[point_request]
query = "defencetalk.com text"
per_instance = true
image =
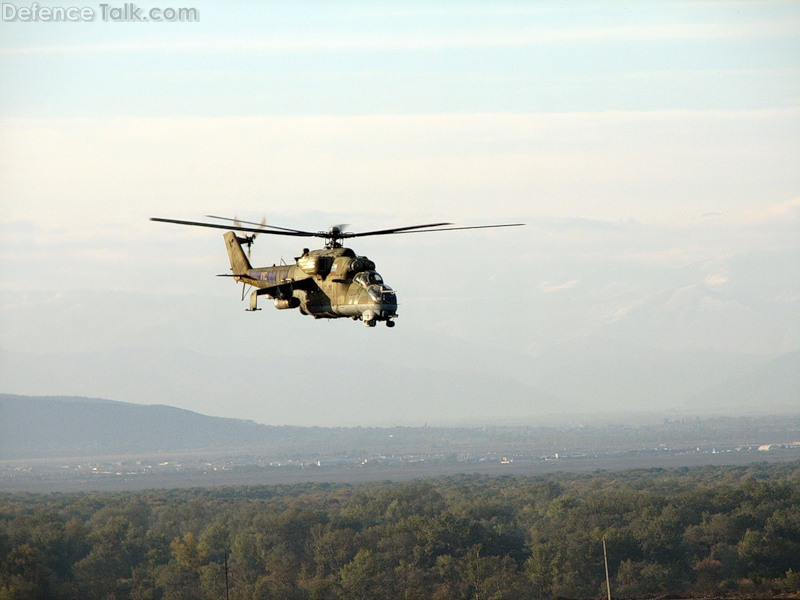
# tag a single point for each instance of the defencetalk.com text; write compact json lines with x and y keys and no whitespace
{"x":127,"y":12}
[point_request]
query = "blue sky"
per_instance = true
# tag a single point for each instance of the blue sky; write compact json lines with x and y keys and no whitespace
{"x":409,"y":58}
{"x":652,"y":149}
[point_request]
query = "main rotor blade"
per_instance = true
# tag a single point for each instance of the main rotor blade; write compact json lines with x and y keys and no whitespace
{"x":417,"y":230}
{"x":254,"y":223}
{"x":327,"y":234}
{"x":291,"y":232}
{"x":390,"y":231}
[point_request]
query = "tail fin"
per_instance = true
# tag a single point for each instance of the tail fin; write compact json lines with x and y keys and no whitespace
{"x":239,"y":262}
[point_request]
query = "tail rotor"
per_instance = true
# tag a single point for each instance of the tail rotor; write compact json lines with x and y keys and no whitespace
{"x":248,"y":239}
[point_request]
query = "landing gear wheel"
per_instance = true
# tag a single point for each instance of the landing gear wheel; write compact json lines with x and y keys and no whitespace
{"x":390,"y":323}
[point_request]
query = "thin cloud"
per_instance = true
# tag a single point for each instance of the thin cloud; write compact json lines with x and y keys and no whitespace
{"x":411,"y":41}
{"x":716,"y":279}
{"x":549,"y":287}
{"x":787,"y":212}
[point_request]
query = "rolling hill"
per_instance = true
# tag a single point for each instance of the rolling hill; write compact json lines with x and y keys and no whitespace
{"x":51,"y":426}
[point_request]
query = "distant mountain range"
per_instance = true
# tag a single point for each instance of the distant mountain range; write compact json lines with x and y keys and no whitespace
{"x":586,"y":377}
{"x":71,"y":427}
{"x":65,"y":427}
{"x":34,"y":427}
{"x":773,"y":387}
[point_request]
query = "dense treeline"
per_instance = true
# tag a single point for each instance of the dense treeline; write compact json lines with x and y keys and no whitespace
{"x":712,"y":530}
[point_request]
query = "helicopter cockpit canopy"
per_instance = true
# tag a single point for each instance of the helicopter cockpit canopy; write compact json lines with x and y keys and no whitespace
{"x":368,"y":278}
{"x":377,"y":289}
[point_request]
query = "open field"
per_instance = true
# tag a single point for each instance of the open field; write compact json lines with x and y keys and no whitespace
{"x":134,"y":473}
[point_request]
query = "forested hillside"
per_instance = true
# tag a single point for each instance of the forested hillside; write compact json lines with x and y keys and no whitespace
{"x":705,"y":531}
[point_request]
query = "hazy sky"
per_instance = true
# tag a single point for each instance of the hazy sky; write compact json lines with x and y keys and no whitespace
{"x":652,"y":148}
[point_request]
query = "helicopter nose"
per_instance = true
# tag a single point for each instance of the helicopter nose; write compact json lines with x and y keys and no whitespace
{"x":388,"y":306}
{"x":383,"y":301}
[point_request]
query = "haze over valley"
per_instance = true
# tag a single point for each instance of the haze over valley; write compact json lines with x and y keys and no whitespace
{"x":657,"y":270}
{"x":614,"y":381}
{"x":68,"y":443}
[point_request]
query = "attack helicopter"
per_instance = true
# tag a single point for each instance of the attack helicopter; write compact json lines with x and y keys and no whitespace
{"x":331,"y":282}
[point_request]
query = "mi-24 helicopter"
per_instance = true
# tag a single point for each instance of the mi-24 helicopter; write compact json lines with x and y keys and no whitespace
{"x":331,"y":282}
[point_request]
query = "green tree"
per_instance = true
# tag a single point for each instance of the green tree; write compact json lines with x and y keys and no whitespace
{"x":116,"y":547}
{"x":363,"y":577}
{"x":24,"y":574}
{"x":542,"y":568}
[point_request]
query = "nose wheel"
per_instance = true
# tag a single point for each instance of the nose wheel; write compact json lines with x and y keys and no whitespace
{"x":371,"y":318}
{"x":373,"y":322}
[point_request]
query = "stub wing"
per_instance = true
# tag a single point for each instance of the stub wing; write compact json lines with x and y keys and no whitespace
{"x":277,"y":283}
{"x":273,"y":281}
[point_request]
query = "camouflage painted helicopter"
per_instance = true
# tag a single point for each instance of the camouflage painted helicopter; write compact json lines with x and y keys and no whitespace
{"x":331,"y":282}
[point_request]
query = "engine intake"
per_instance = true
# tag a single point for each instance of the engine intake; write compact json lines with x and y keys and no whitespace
{"x":284,"y":303}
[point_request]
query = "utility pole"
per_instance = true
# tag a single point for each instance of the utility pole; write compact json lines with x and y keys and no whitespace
{"x":227,"y":597}
{"x":605,"y":560}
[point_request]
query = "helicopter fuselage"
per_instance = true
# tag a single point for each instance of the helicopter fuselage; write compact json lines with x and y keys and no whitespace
{"x":326,"y":283}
